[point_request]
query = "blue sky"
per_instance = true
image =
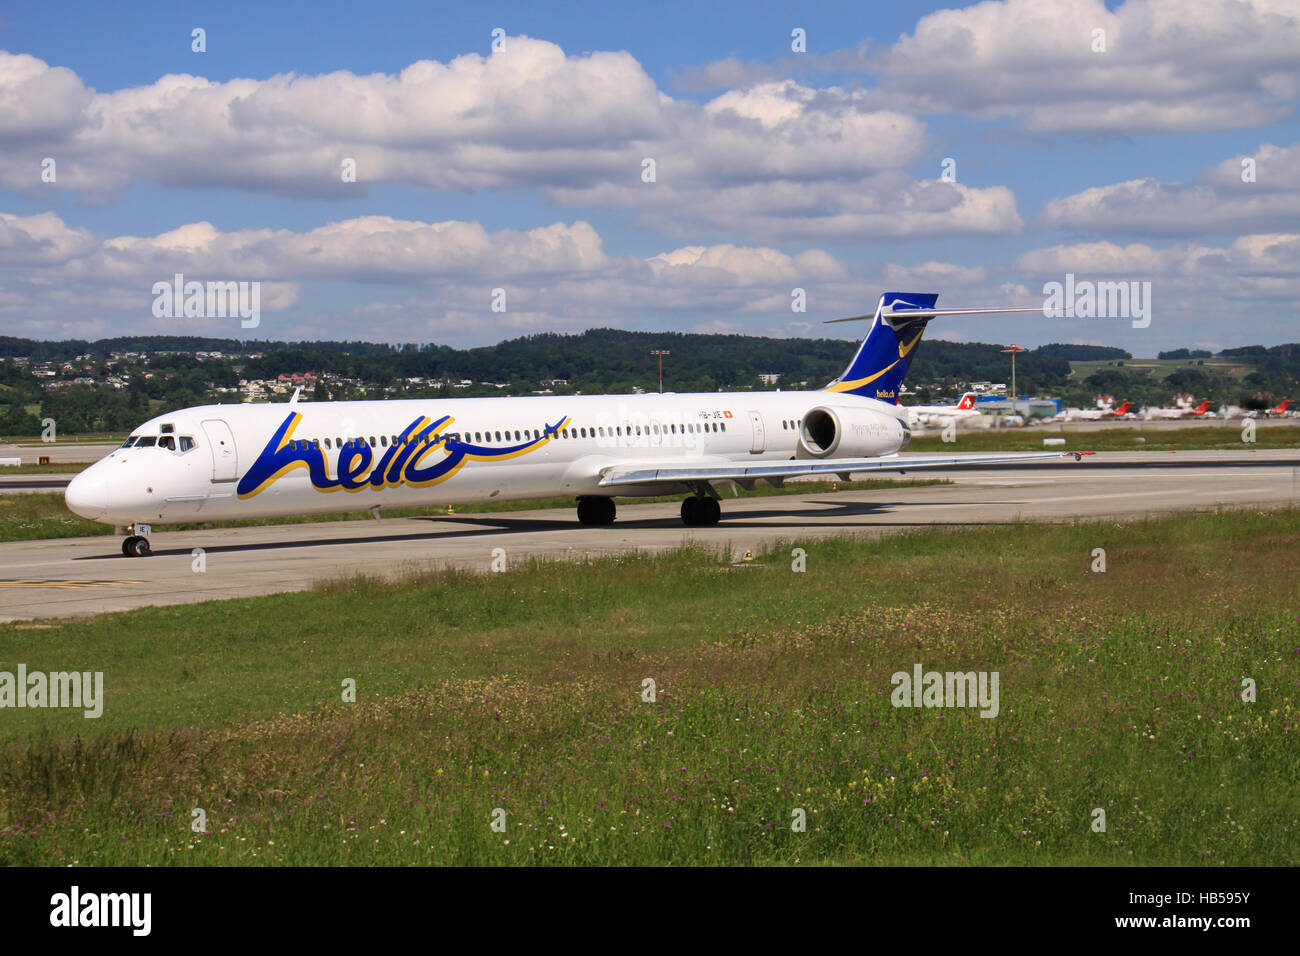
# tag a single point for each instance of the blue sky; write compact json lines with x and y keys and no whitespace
{"x":520,"y":168}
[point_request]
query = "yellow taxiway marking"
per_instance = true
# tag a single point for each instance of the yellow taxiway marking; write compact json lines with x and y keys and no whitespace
{"x":52,"y":583}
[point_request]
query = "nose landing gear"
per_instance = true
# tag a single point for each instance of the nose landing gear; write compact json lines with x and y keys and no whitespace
{"x":136,"y":543}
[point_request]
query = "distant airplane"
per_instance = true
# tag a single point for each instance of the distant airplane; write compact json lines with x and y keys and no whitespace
{"x":275,"y":460}
{"x":964,"y":410}
{"x":1103,"y":410}
{"x":1182,"y":409}
{"x":1278,"y":411}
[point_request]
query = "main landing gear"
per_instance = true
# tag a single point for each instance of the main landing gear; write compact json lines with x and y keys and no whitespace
{"x":136,"y":543}
{"x":596,"y":511}
{"x":700,"y":512}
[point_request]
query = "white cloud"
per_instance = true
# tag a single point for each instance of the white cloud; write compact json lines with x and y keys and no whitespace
{"x":378,"y":278}
{"x":776,"y":160}
{"x":557,"y":276}
{"x":529,"y":115}
{"x":1169,"y":65}
{"x":1219,"y":203}
{"x":933,"y":274}
{"x":884,"y":205}
{"x":1263,"y":255}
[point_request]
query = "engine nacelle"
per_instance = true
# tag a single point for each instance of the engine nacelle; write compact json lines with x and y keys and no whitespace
{"x":841,"y":431}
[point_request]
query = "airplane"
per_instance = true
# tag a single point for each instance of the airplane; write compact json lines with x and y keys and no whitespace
{"x":964,"y":410}
{"x":1279,"y":411}
{"x":224,"y":462}
{"x":1102,"y":411}
{"x":1182,"y":409}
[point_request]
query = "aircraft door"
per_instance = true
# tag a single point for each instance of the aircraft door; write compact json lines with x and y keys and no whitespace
{"x":225,"y":461}
{"x":760,"y":438}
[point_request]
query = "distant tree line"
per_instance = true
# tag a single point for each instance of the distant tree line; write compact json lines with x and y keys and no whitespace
{"x":596,"y":361}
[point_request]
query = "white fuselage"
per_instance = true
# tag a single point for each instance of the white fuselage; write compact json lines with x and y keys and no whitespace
{"x":220,"y":462}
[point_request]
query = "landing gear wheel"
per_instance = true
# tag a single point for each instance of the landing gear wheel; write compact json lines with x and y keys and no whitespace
{"x":596,"y":511}
{"x":700,"y":512}
{"x":136,"y":546}
{"x":709,"y":511}
{"x":689,"y":510}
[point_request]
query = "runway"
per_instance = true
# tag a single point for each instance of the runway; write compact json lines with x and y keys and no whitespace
{"x":59,"y":453}
{"x":83,"y":576}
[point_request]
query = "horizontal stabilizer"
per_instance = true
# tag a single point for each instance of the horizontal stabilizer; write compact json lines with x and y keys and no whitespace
{"x":925,"y":314}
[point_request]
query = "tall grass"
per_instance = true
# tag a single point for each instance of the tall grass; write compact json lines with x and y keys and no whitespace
{"x":523,"y":692}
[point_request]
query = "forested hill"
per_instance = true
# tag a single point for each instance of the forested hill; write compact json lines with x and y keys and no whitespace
{"x":596,"y":360}
{"x":114,"y":384}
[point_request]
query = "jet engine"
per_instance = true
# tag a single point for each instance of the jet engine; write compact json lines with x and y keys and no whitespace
{"x":840,"y":431}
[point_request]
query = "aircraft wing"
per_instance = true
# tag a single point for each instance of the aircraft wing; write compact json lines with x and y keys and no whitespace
{"x":678,"y":473}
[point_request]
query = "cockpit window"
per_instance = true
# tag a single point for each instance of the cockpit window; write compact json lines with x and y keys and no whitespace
{"x":168,"y":442}
{"x":148,"y":441}
{"x":186,"y":443}
{"x":129,"y":442}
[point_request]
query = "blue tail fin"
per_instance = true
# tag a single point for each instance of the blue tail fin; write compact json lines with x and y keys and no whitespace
{"x":877,"y":371}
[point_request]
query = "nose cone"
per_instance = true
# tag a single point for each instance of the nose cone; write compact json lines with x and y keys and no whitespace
{"x":87,"y":494}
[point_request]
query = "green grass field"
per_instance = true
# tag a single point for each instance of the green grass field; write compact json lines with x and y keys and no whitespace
{"x":67,"y":468}
{"x":41,"y":515}
{"x":523,"y":691}
{"x":1160,"y":369}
